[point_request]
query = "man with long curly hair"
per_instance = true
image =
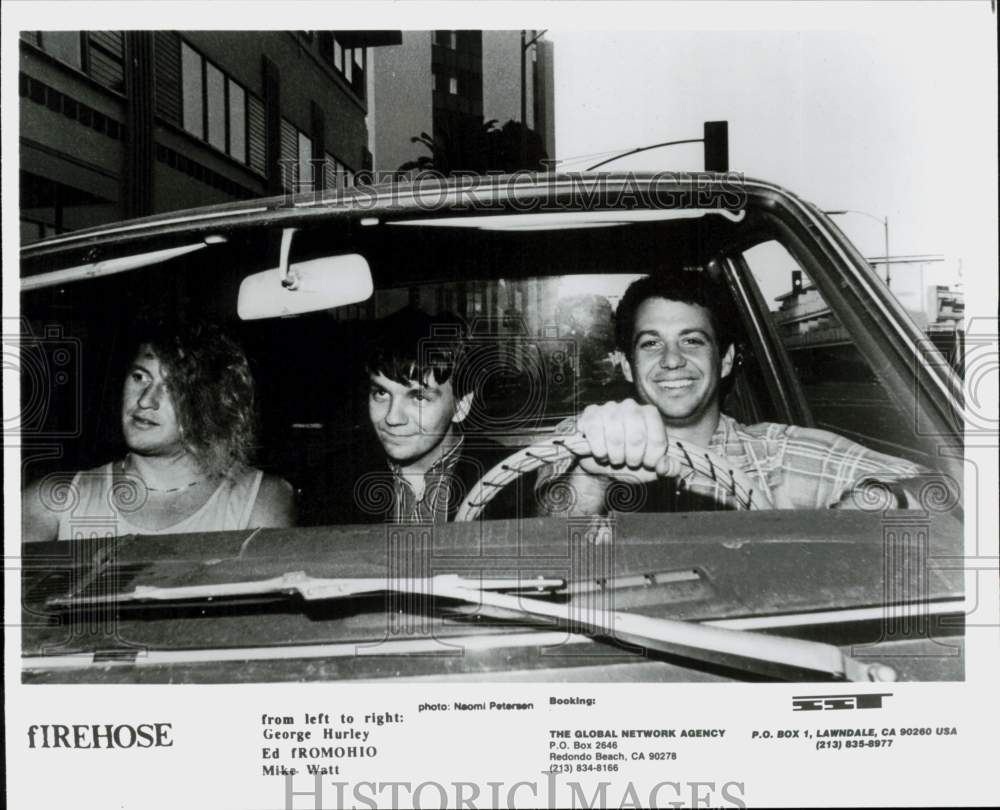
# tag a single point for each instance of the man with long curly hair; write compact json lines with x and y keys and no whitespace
{"x":188,"y":420}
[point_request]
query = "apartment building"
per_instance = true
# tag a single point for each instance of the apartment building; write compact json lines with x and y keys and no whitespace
{"x":446,"y":83}
{"x":119,"y":124}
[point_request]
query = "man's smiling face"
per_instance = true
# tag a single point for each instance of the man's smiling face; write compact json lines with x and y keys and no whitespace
{"x":675,"y":362}
{"x":412,"y":420}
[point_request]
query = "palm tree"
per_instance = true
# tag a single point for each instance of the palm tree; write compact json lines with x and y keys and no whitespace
{"x":437,"y":160}
{"x":463,"y":144}
{"x":506,"y":149}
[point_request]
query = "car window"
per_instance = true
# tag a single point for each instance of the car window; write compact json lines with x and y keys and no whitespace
{"x":542,"y":347}
{"x":843,"y":391}
{"x":540,"y":305}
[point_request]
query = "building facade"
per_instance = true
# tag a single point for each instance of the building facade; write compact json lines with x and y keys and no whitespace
{"x":119,"y":124}
{"x":444,"y":83}
{"x":807,"y":325}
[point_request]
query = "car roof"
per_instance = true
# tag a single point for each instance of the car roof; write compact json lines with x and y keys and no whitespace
{"x":407,"y":195}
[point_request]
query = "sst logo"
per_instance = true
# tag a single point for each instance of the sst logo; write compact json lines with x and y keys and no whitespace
{"x":814,"y":703}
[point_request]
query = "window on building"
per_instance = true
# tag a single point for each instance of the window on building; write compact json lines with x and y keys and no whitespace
{"x":237,"y":122}
{"x":434,"y":80}
{"x":66,"y":46}
{"x":289,"y":156}
{"x":346,"y":178}
{"x":105,"y":58}
{"x":358,"y":80}
{"x":305,"y":162}
{"x":99,"y":54}
{"x":256,"y":135}
{"x":215,"y":96}
{"x":296,"y":158}
{"x":330,"y":178}
{"x":192,"y":91}
{"x":348,"y":62}
{"x":453,"y":85}
{"x":446,"y":39}
{"x":217,"y":109}
{"x":335,"y":173}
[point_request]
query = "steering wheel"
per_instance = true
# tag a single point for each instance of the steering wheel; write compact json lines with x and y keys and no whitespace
{"x":705,"y":464}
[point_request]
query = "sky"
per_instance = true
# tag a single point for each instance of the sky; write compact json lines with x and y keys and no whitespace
{"x":888,"y":108}
{"x":893,"y":116}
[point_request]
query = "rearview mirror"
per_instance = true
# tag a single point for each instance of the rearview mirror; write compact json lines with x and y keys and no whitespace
{"x":309,"y":286}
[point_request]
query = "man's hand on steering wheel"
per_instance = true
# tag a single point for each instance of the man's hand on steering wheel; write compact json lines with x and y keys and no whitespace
{"x":626,"y":440}
{"x":622,"y":441}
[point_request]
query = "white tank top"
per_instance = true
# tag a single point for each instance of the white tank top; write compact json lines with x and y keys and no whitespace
{"x":102,"y":505}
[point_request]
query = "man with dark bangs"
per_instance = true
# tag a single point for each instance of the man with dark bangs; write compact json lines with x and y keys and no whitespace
{"x":188,"y":421}
{"x":677,"y":332}
{"x":420,"y":394}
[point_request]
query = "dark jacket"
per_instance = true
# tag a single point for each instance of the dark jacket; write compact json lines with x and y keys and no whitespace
{"x":367,"y":495}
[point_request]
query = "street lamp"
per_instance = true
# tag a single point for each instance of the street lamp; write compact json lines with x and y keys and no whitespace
{"x":525,"y":44}
{"x":885,"y":224}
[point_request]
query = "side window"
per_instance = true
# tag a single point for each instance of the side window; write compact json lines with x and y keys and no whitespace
{"x":843,"y":391}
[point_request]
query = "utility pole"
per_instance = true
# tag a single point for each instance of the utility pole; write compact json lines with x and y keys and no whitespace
{"x":888,"y":264}
{"x":885,"y":229}
{"x":524,"y":103}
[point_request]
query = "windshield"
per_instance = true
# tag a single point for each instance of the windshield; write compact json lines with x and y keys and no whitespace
{"x":242,"y":459}
{"x":538,"y":310}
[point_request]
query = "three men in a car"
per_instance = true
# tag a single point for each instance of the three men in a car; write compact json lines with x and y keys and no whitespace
{"x":187,"y":419}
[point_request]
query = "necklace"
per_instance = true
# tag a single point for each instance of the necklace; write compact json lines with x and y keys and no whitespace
{"x":173,"y":489}
{"x":155,"y":489}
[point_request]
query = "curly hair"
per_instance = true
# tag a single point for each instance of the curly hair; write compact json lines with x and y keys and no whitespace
{"x":211,"y":388}
{"x":687,"y":285}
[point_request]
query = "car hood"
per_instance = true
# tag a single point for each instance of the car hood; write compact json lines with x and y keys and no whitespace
{"x":833,"y":576}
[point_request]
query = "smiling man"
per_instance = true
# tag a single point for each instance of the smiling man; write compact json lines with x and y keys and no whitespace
{"x":187,"y":419}
{"x":676,"y":332}
{"x":420,"y":396}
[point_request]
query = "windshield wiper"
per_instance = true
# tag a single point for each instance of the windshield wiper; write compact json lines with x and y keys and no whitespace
{"x":756,"y":651}
{"x":313,"y":588}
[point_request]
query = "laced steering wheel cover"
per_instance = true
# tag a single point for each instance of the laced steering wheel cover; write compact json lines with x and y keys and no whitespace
{"x":702,"y":462}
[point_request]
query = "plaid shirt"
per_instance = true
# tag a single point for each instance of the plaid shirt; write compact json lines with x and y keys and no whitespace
{"x":432,"y":506}
{"x":795,"y":467}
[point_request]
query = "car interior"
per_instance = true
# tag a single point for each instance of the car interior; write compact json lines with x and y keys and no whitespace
{"x":539,"y":298}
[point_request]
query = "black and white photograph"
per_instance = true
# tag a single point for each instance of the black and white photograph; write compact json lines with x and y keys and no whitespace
{"x":573,"y":379}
